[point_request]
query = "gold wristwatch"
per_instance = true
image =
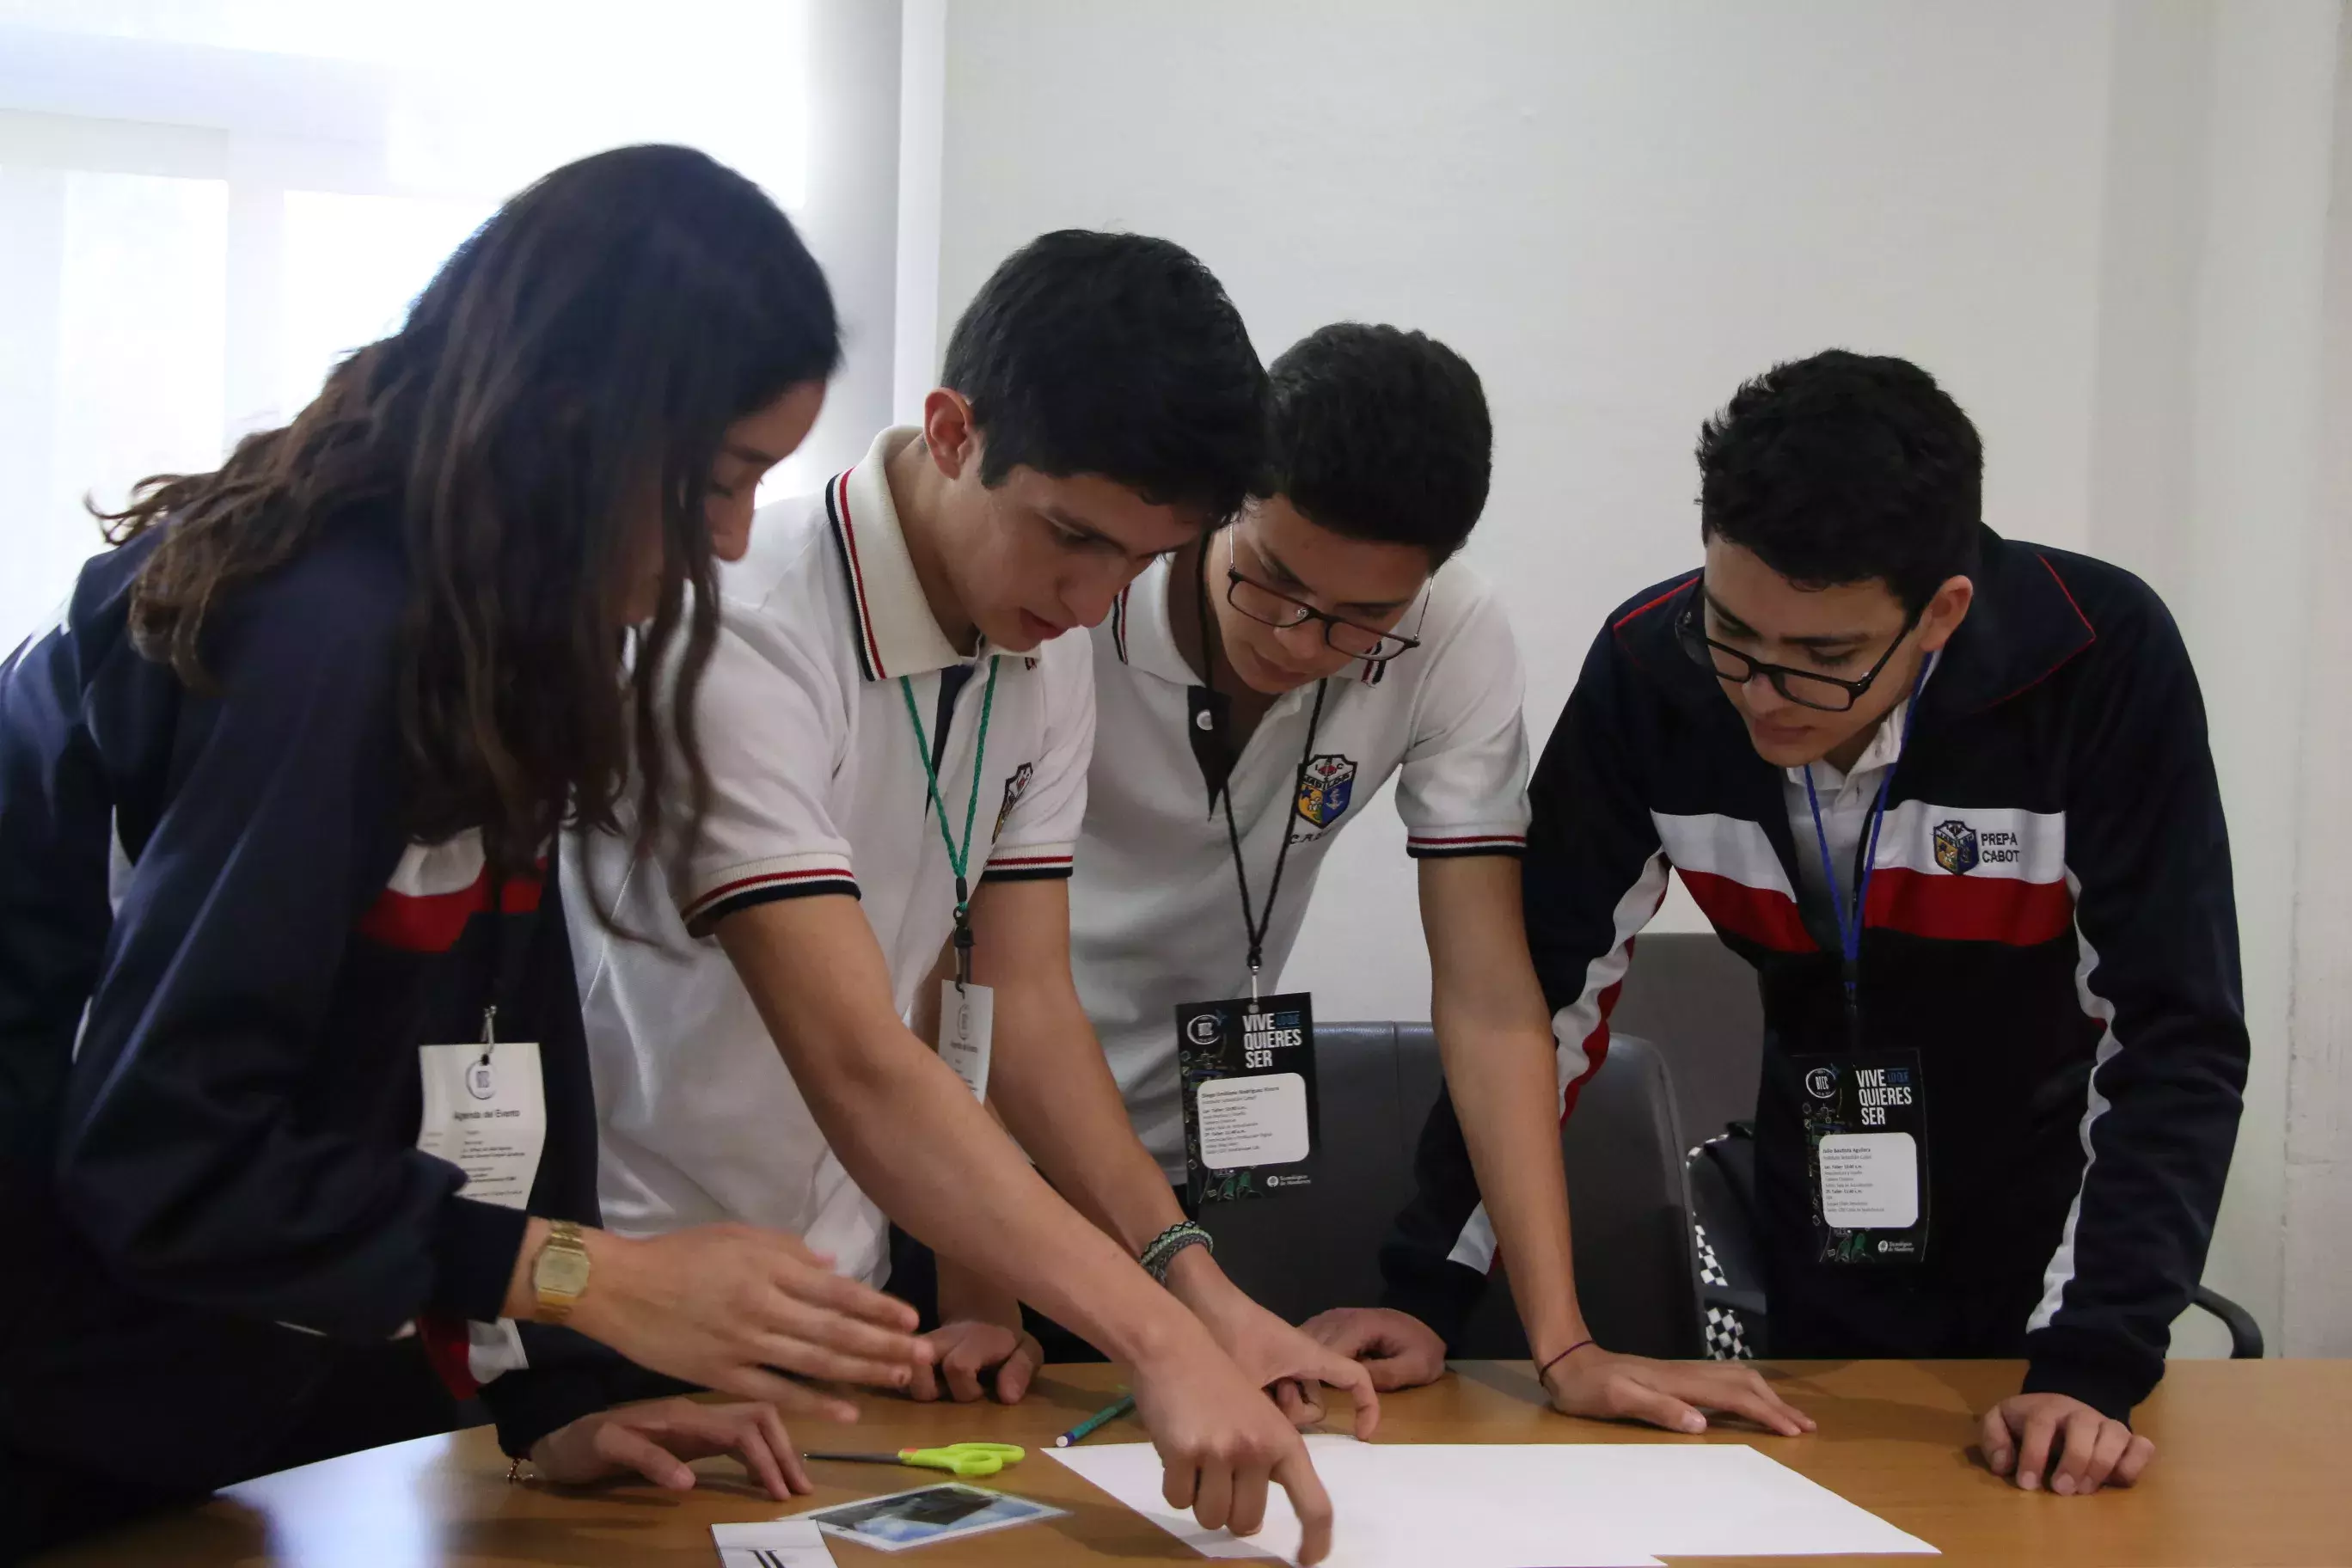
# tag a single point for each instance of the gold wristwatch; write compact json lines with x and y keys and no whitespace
{"x":561,"y":1273}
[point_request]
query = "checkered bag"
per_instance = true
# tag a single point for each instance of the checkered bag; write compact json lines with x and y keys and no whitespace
{"x":1723,"y":1233}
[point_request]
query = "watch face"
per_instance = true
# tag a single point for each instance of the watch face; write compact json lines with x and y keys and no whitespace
{"x":561,"y":1271}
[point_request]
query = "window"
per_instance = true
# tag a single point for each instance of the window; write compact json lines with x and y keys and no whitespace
{"x":205,"y":202}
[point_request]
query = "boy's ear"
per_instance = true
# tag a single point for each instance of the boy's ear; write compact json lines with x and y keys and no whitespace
{"x":1946,"y":611}
{"x":950,"y":434}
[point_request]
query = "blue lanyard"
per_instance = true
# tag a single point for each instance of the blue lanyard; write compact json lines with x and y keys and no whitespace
{"x":1850,"y":930}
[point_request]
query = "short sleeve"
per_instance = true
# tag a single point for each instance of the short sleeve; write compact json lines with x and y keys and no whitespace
{"x":1044,"y":802}
{"x":772,"y":724}
{"x":1463,"y":789}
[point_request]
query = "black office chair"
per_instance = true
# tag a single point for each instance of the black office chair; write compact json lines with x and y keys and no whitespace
{"x":1310,"y":1248}
{"x":1317,"y":1248}
{"x":1723,"y":1242}
{"x":1631,"y":1210}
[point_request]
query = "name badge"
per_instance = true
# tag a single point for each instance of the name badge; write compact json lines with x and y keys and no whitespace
{"x":966,"y":1025}
{"x":1247,"y":1067}
{"x":1866,"y":1150}
{"x":486,"y":1113}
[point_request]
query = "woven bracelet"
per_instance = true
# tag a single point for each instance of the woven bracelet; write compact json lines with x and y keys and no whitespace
{"x":1172,"y":1241}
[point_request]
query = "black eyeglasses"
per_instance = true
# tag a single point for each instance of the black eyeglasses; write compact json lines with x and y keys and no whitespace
{"x":1806,"y":687}
{"x":1267,"y":607}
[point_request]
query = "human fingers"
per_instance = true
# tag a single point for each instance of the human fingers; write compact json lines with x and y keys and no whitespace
{"x":1246,"y":1516}
{"x":1295,"y":1473}
{"x":1290,"y":1397}
{"x":621,"y":1447}
{"x":2114,"y":1439}
{"x":1180,"y":1477}
{"x":741,"y":1432}
{"x":2080,"y":1442}
{"x":839,"y":1294}
{"x":975,"y":1354}
{"x":1362,"y":1384}
{"x":755,"y":1381}
{"x":1014,"y":1377}
{"x":2033,"y":1452}
{"x":1625,"y":1396}
{"x":787,"y":1452}
{"x":1738,"y":1390}
{"x":1353,"y":1332}
{"x":810,"y":1359}
{"x":2000,"y":1445}
{"x":923,"y":1384}
{"x":1212,"y":1502}
{"x":784,"y":1313}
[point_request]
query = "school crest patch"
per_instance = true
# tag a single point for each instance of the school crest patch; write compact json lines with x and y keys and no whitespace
{"x":1956,"y":848}
{"x":1014,"y":788}
{"x":1325,"y":785}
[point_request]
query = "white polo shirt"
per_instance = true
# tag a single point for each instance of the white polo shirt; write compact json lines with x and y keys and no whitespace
{"x":816,"y":787}
{"x":1155,"y":916}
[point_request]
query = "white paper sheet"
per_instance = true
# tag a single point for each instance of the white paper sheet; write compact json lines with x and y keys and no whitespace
{"x":1619,"y":1505}
{"x":777,"y":1543}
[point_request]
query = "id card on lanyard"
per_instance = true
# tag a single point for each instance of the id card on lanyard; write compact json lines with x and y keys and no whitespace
{"x":1865,"y":1111}
{"x":485,"y":1103}
{"x":1245,"y":1065}
{"x":967,"y":1011}
{"x":1866,"y":1123}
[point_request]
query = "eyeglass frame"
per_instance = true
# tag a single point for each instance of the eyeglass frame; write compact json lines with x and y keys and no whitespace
{"x":1236,"y":578}
{"x":1702,"y":649}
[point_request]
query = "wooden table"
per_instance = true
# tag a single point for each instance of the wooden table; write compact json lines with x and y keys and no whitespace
{"x":2255,"y":1467}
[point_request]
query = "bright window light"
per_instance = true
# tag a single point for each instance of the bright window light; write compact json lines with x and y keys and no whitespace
{"x":205,"y":204}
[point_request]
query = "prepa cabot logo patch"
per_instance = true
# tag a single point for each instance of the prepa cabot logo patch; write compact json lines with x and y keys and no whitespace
{"x":1956,"y":848}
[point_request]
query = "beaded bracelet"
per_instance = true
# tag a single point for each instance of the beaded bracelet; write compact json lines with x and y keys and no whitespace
{"x":1169,"y":1242}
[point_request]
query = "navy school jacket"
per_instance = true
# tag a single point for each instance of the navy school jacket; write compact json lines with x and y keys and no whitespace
{"x":209,"y":1090}
{"x":2051,"y":927}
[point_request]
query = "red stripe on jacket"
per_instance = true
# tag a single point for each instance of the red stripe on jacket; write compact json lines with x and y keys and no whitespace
{"x":430,"y":923}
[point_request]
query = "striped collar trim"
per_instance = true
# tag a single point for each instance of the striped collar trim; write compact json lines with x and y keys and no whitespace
{"x":1139,"y":629}
{"x":892,"y":623}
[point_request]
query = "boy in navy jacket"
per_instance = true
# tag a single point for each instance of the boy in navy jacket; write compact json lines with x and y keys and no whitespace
{"x":1950,"y":795}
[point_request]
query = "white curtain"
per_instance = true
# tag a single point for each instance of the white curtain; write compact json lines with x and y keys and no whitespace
{"x":205,"y":202}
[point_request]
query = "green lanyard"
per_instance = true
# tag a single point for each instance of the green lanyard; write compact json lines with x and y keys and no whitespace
{"x":957,"y":860}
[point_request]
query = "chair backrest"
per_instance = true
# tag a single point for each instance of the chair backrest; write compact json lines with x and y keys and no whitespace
{"x":1696,"y":1000}
{"x":1628,"y":1201}
{"x":1302,"y":1251}
{"x":1317,"y":1248}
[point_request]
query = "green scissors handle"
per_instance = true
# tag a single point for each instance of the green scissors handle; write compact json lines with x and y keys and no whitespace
{"x":969,"y":1460}
{"x":966,"y":1459}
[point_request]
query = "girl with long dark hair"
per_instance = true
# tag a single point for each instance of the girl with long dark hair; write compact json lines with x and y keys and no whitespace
{"x":276,"y":796}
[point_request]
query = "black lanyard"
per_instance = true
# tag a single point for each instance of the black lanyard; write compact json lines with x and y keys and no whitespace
{"x":1210,"y":715}
{"x":506,"y":963}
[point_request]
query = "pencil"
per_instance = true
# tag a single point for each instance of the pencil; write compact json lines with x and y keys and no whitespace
{"x":1103,"y":1417}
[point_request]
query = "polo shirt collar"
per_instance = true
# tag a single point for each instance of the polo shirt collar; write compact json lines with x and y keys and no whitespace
{"x":1139,"y":629}
{"x":895,"y":632}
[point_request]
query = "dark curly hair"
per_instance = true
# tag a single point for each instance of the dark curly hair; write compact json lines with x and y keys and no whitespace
{"x":1846,"y":467}
{"x":1379,"y":434}
{"x":581,"y":356}
{"x":1114,"y":354}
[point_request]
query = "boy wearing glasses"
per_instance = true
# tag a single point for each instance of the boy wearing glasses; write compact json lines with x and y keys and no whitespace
{"x":1254,"y":691}
{"x":1950,"y":795}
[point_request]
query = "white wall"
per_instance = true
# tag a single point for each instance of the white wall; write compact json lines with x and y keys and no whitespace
{"x":2096,"y":222}
{"x":2318,"y":1177}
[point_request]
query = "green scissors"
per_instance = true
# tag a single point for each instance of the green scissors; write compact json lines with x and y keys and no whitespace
{"x":969,"y":1460}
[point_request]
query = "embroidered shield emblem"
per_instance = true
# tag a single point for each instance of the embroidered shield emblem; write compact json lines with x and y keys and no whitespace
{"x":1325,"y":786}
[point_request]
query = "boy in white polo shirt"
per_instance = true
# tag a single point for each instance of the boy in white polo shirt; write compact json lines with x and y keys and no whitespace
{"x":1338,"y":655}
{"x":896,"y":747}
